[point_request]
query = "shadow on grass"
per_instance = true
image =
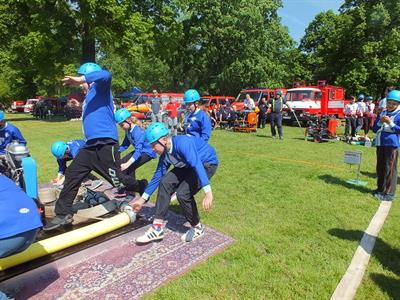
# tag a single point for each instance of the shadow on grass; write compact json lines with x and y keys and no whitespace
{"x":388,"y":256}
{"x":369,"y":174}
{"x":338,"y":181}
{"x":51,"y":120}
{"x":263,"y":136}
{"x":389,"y":285}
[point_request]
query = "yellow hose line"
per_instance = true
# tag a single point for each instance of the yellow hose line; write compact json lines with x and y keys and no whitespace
{"x":65,"y":240}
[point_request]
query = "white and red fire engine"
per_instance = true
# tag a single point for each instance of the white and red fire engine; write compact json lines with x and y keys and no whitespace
{"x":314,"y":100}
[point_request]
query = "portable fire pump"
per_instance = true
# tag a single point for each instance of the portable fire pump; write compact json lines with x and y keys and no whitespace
{"x":322,"y":128}
{"x":19,"y":166}
{"x":314,"y":100}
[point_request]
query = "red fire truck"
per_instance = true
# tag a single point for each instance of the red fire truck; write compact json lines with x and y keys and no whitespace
{"x":314,"y":100}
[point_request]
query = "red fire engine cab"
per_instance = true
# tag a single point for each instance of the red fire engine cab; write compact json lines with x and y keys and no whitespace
{"x":314,"y":100}
{"x":256,"y":94}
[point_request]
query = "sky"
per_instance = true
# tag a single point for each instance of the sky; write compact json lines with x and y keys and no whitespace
{"x":297,"y":14}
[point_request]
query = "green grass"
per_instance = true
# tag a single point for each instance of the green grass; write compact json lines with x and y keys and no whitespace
{"x":295,"y":221}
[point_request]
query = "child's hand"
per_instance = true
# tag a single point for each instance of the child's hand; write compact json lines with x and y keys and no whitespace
{"x":385,"y":119}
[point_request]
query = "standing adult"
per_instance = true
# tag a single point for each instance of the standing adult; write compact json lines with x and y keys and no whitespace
{"x":197,"y":122}
{"x":350,"y":111}
{"x":276,"y":106}
{"x":172,"y":108}
{"x":262,"y":115}
{"x":155,"y":107}
{"x":361,"y":109}
{"x":100,"y":153}
{"x":369,"y":115}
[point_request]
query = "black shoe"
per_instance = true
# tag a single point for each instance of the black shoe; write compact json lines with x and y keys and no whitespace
{"x":57,"y":222}
{"x":142,"y":186}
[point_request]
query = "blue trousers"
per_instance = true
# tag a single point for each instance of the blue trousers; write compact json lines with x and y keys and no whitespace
{"x":17,"y":243}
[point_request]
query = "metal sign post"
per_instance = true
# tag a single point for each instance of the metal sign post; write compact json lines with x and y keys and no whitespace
{"x":354,"y":158}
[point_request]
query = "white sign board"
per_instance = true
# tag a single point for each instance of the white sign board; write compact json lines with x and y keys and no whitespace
{"x":352,"y":157}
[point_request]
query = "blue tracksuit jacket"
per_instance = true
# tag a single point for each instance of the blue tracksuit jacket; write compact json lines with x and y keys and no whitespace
{"x":186,"y":151}
{"x":98,"y":108}
{"x":8,"y":134}
{"x":18,"y":212}
{"x":136,"y":138}
{"x":74,"y":146}
{"x":198,"y":124}
{"x":388,"y":135}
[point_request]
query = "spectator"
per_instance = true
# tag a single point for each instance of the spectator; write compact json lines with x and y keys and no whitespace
{"x":172,"y":108}
{"x":155,"y":107}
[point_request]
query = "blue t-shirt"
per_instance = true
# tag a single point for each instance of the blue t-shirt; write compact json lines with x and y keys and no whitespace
{"x":74,"y":146}
{"x":18,"y":212}
{"x":98,"y":108}
{"x":9,"y":133}
{"x":387,"y":135}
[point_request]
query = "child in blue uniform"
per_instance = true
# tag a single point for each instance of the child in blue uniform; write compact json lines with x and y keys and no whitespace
{"x":197,"y":122}
{"x":65,"y":151}
{"x":194,"y":162}
{"x":134,"y":135}
{"x":8,"y":133}
{"x":19,"y":220}
{"x":100,"y":152}
{"x":387,"y":141}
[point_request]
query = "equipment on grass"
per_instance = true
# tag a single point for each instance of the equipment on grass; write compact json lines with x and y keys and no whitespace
{"x":322,"y":129}
{"x":246,"y":122}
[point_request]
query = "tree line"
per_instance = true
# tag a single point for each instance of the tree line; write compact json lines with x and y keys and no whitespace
{"x":215,"y":46}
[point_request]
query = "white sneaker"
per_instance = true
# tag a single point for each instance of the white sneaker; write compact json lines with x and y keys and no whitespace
{"x":193,"y":233}
{"x":152,"y":234}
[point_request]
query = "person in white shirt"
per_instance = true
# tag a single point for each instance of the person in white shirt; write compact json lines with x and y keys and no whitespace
{"x":350,"y":111}
{"x":249,"y":103}
{"x":369,"y":115}
{"x":361,"y":109}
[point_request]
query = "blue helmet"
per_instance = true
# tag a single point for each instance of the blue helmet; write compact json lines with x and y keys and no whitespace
{"x":394,"y":96}
{"x":279,"y":92}
{"x":361,"y":97}
{"x":121,"y":115}
{"x":1,"y":115}
{"x":156,"y":131}
{"x":58,"y":149}
{"x":191,"y":96}
{"x":89,"y":67}
{"x":370,"y":98}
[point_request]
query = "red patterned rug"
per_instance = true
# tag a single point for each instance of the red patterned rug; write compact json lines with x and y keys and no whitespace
{"x":118,"y":268}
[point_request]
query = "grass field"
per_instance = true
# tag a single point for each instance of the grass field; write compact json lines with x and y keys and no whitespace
{"x":295,"y":221}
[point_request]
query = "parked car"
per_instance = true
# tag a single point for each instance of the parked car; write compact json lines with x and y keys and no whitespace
{"x":30,"y":104}
{"x":18,"y":106}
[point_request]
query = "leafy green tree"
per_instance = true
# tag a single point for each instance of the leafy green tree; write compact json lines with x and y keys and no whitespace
{"x":358,"y":48}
